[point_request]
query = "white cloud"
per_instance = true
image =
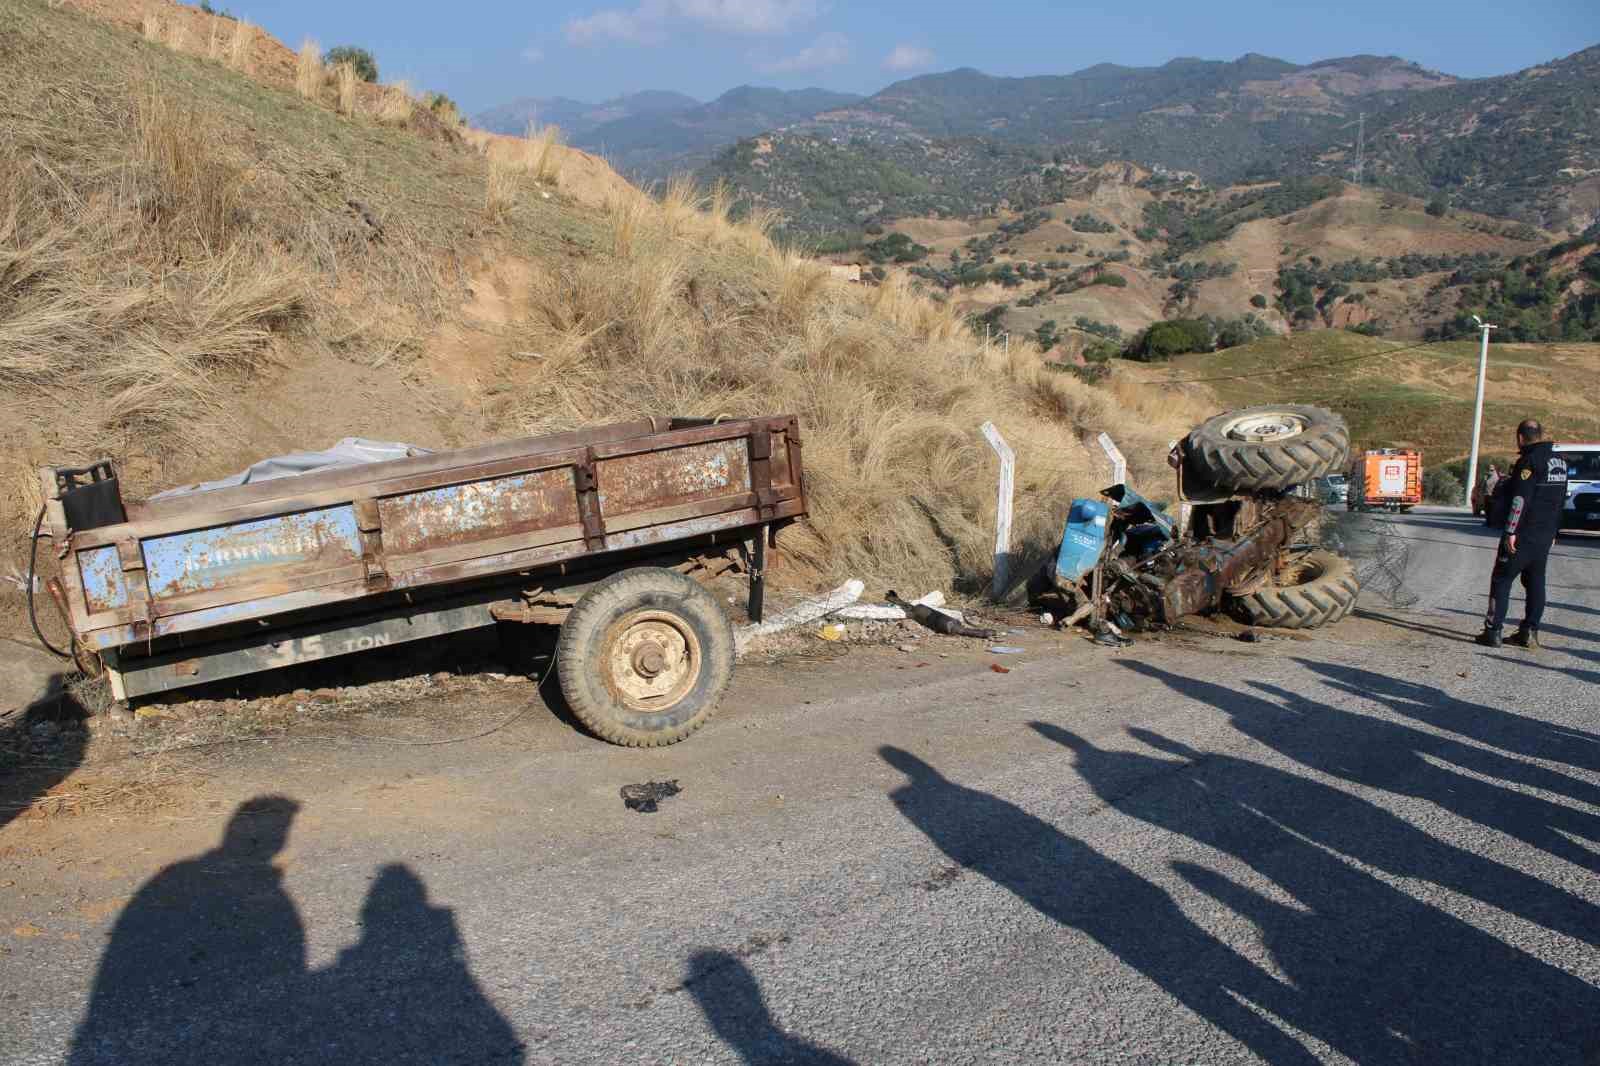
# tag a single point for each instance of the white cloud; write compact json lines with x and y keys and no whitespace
{"x":908,"y":57}
{"x":533,"y":54}
{"x":829,"y":50}
{"x":650,"y":20}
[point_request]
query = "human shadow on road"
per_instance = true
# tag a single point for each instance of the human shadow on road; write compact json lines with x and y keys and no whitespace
{"x":731,"y":1000}
{"x":1509,"y":731}
{"x":1409,"y":766}
{"x":1575,"y":672}
{"x":1071,"y":883}
{"x":1388,"y":756}
{"x":207,"y":964}
{"x":1413,"y":626}
{"x":1546,"y":627}
{"x":40,"y":748}
{"x":1577,"y":608}
{"x":1380,"y":975}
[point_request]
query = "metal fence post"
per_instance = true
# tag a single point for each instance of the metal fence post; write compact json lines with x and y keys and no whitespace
{"x":1002,"y":508}
{"x":1119,"y":465}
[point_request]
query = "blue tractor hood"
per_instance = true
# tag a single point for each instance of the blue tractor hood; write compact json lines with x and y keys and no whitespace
{"x":1083,"y":542}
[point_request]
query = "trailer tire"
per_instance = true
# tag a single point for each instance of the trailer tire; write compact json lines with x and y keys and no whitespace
{"x":1268,"y":447}
{"x":1325,"y":592}
{"x":644,"y":657}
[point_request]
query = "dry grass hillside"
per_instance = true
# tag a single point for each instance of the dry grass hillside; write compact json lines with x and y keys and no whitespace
{"x":1397,"y":395}
{"x":1358,"y":223}
{"x":200,"y":267}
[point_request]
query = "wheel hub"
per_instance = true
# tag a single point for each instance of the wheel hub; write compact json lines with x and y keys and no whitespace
{"x":652,"y":660}
{"x":1265,"y":427}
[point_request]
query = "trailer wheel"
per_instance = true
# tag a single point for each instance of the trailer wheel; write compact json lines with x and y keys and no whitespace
{"x":1322,"y":588}
{"x":644,"y":657}
{"x":1268,"y":447}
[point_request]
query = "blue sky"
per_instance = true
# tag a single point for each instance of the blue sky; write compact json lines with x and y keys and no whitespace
{"x":489,"y":52}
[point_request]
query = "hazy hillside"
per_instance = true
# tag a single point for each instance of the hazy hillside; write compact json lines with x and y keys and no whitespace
{"x":1525,"y":146}
{"x":652,"y":146}
{"x":576,"y":118}
{"x":1089,"y":105}
{"x":209,"y":255}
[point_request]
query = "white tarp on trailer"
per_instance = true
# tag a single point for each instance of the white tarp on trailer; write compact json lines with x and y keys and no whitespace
{"x":350,"y":451}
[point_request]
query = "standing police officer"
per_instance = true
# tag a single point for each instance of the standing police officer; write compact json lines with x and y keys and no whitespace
{"x":1533,"y":503}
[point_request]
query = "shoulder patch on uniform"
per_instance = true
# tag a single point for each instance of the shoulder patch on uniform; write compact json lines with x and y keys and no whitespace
{"x":1526,"y":473}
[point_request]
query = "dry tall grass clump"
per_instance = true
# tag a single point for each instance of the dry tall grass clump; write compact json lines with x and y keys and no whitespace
{"x":243,"y":45}
{"x":544,"y":159}
{"x":308,"y":70}
{"x":398,"y":104}
{"x":178,"y":35}
{"x":151,"y":25}
{"x":345,"y":81}
{"x":502,"y":180}
{"x":693,"y":312}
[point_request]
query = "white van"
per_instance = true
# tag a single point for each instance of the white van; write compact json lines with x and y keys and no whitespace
{"x":1582,"y":509}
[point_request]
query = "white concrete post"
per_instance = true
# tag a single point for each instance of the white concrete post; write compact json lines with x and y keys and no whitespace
{"x":1119,"y":465}
{"x":1002,"y":507}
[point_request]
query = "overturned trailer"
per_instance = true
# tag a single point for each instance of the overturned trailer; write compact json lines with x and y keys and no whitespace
{"x":1125,"y":562}
{"x":601,"y":531}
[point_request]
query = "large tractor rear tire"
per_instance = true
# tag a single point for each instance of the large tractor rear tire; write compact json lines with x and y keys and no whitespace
{"x":1323,"y":589}
{"x":1269,"y":448}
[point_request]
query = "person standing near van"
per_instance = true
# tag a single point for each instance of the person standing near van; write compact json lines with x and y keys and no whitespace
{"x":1537,"y":492}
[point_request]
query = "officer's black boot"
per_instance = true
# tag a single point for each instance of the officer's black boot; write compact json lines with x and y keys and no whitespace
{"x":1490,"y":637}
{"x":1525,"y":638}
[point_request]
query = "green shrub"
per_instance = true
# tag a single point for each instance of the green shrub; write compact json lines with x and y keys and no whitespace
{"x":366,"y":67}
{"x":1439,"y":485}
{"x":1437,"y":207}
{"x":1258,"y":300}
{"x":1176,"y":336}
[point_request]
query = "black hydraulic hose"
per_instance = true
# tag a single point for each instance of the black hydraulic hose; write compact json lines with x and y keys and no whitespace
{"x":33,"y":564}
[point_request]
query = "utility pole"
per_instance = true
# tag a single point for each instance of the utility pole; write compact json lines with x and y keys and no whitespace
{"x":1477,"y":412}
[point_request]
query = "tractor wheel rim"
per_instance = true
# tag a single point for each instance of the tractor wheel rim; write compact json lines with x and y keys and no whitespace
{"x":652,"y":660}
{"x":1266,"y":427}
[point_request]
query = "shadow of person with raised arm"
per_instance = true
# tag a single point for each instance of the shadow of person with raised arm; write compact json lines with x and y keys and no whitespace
{"x":1363,"y":750}
{"x":1400,"y":767}
{"x":737,"y":1012}
{"x":206,"y":960}
{"x":407,"y":982}
{"x":1068,"y":881}
{"x":1509,"y":731}
{"x":1382,"y":976}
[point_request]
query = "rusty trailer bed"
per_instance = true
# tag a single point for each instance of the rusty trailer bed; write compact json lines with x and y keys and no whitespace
{"x":233,"y":580}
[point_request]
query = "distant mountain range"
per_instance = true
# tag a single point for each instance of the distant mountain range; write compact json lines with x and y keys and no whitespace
{"x":1523,"y":145}
{"x":651,"y":135}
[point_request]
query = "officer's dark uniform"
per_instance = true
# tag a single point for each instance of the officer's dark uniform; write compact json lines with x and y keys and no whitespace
{"x":1537,"y":492}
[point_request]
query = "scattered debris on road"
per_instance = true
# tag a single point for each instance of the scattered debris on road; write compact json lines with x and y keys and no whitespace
{"x":810,"y":611}
{"x":646,"y":798}
{"x":937,"y":620}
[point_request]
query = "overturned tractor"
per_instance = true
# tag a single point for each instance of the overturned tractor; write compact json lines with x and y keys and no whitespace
{"x":1124,"y":563}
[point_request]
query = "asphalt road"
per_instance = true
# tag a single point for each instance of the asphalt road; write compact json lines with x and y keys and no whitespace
{"x":1376,"y":846}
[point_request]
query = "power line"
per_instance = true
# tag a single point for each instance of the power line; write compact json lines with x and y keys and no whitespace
{"x":1298,"y":367}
